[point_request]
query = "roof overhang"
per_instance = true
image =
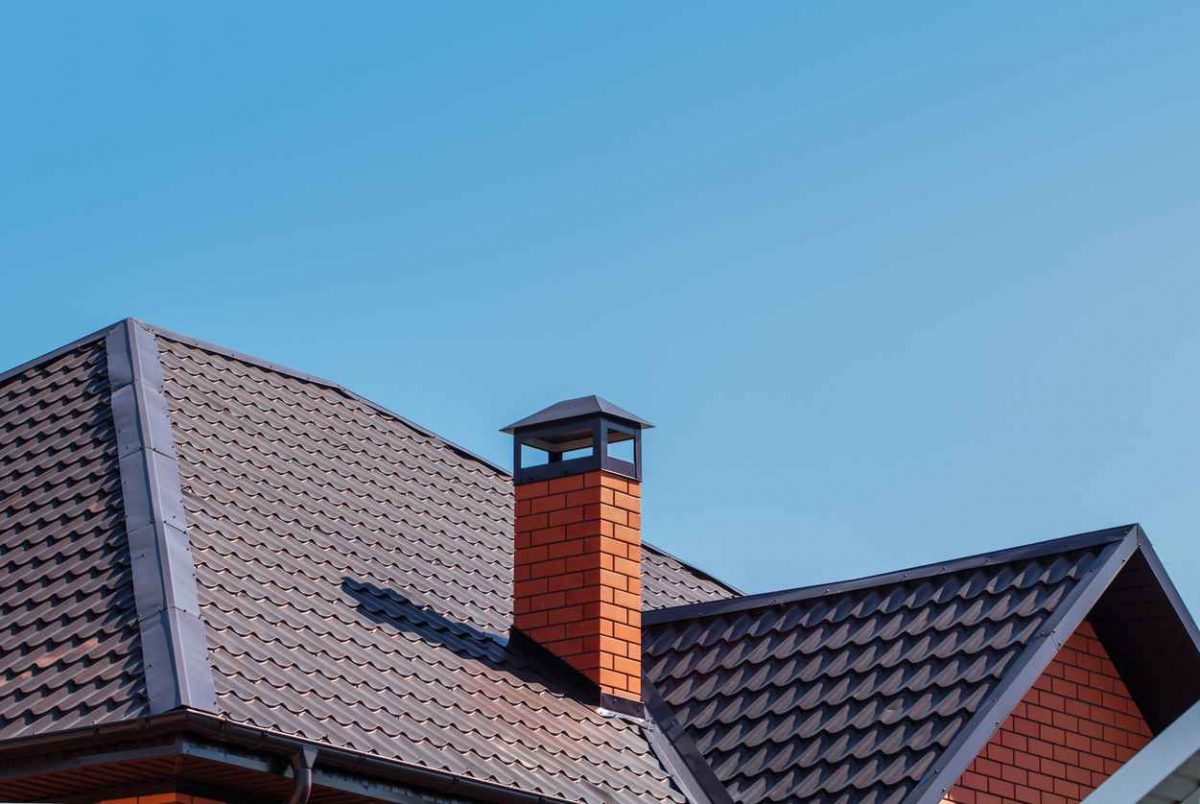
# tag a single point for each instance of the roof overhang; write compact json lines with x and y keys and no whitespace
{"x":256,"y":762}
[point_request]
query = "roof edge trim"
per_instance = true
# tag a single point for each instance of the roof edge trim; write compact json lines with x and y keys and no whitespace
{"x":312,"y":378}
{"x":172,"y":636}
{"x":718,"y":607}
{"x":33,"y":362}
{"x":1030,"y":664}
{"x":1168,"y":587}
{"x":225,"y":731}
{"x":678,"y":754}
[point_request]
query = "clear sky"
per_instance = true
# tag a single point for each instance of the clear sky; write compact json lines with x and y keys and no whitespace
{"x":898,"y":282}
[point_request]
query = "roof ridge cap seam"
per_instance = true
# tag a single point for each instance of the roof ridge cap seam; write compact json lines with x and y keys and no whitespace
{"x":278,"y":368}
{"x":176,"y":669}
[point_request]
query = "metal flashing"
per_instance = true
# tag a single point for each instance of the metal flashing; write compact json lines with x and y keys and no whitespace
{"x":967,"y":744}
{"x":300,"y":375}
{"x":174,"y":652}
{"x":678,"y":754}
{"x":574,"y":683}
{"x":717,"y":607}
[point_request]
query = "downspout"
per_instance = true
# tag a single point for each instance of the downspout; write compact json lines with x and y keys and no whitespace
{"x":302,"y":765}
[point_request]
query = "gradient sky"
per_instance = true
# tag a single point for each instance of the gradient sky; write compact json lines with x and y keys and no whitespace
{"x":897,"y":282}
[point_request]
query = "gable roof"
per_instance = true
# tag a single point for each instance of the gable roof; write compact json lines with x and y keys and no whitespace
{"x":352,"y":572}
{"x":885,"y":688}
{"x":1167,"y":771}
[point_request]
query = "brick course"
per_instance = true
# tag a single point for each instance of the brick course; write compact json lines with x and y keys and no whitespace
{"x":577,"y":575}
{"x":1076,"y":726}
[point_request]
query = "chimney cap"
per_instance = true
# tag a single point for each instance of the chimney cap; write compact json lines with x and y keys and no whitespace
{"x":576,"y":408}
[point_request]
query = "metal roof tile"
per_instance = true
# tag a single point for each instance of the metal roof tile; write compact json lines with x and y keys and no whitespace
{"x":354,"y":575}
{"x":69,"y":652}
{"x":850,"y":695}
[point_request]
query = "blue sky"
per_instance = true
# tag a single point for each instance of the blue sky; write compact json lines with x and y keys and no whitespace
{"x":897,"y":282}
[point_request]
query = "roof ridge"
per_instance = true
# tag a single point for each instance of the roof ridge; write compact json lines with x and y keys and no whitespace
{"x":59,"y":351}
{"x":233,"y":354}
{"x":172,"y":634}
{"x":714,"y":608}
{"x":242,"y":357}
{"x":322,"y":381}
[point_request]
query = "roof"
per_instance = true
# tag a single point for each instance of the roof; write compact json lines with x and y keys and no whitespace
{"x":1167,"y":771}
{"x":883,"y":689}
{"x":188,"y":530}
{"x":70,"y":654}
{"x":352,"y":572}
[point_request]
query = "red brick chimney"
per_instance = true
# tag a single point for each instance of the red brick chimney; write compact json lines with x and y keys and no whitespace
{"x":577,"y":589}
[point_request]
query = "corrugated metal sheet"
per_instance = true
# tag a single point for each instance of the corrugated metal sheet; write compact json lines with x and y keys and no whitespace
{"x":69,"y":652}
{"x":851,"y":696}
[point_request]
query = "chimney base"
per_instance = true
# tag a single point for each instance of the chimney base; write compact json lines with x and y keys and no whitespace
{"x":577,"y":578}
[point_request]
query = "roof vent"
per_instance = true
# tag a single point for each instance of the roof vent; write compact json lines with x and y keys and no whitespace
{"x":575,"y":436}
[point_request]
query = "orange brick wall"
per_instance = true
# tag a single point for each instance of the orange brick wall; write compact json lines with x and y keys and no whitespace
{"x":577,"y":575}
{"x":1072,"y":731}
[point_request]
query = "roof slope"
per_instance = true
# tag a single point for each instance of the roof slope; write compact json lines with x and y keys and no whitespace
{"x":354,"y":576}
{"x":877,"y":690}
{"x":69,"y":648}
{"x":353,"y":572}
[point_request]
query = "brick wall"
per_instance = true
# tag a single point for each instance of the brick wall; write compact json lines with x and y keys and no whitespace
{"x":1072,"y":731}
{"x":577,"y":575}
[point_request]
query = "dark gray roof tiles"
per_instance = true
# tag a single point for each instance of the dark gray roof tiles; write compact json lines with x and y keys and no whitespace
{"x":851,"y":696}
{"x":69,"y":650}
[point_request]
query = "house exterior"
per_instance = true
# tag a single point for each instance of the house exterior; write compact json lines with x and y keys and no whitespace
{"x":1168,"y":770}
{"x":222,"y":581}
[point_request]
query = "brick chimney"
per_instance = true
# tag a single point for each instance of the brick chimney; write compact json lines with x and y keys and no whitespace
{"x":577,"y":579}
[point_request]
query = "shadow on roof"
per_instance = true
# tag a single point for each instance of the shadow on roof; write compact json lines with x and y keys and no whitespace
{"x":392,"y":608}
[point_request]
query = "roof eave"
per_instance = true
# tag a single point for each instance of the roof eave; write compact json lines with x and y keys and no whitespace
{"x":278,"y":747}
